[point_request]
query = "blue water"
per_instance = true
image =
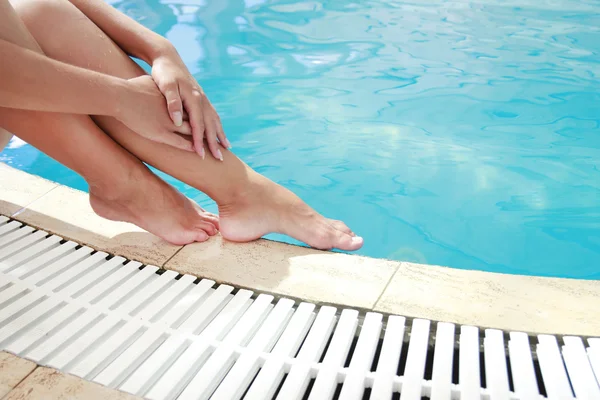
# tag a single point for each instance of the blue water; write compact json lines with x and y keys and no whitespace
{"x":460,"y":133}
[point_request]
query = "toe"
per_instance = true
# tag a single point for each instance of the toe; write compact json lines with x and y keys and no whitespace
{"x":211,"y":218}
{"x":340,"y":226}
{"x":201,"y":236}
{"x":349,"y":242}
{"x":208,"y":227}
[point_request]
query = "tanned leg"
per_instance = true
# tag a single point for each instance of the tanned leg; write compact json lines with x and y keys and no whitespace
{"x":250,"y":205}
{"x":114,"y":175}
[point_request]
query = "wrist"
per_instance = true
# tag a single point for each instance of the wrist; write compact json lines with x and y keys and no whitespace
{"x":124,"y":90}
{"x":160,"y":48}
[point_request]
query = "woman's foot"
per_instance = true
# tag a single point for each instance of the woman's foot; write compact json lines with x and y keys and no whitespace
{"x":268,"y":207}
{"x":157,"y":207}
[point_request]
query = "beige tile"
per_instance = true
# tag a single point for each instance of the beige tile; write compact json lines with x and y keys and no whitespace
{"x":46,"y":383}
{"x":19,"y":189}
{"x":291,"y":271}
{"x":67,"y":213}
{"x":510,"y":302}
{"x":12,"y":371}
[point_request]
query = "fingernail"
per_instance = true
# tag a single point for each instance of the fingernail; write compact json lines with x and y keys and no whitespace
{"x":202,"y":154}
{"x":220,"y":155}
{"x":227,"y":143}
{"x":177,"y":118}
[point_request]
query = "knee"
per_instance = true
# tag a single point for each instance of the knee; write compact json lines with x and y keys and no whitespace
{"x":38,"y":12}
{"x":43,"y":18}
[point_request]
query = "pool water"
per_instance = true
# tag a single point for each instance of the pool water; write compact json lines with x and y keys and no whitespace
{"x":462,"y":133}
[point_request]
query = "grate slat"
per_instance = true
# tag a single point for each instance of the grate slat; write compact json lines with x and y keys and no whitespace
{"x":415,"y":361}
{"x":521,"y":364}
{"x":15,"y":234}
{"x":24,"y":343}
{"x":553,"y":370}
{"x":11,"y":226}
{"x":337,"y":352}
{"x":107,"y":352}
{"x":240,"y":376}
{"x":441,"y":387}
{"x":272,"y":372}
{"x":186,"y":305}
{"x":160,"y":335}
{"x":177,"y":377}
{"x":26,"y":248}
{"x":208,"y":377}
{"x":594,"y":357}
{"x":31,"y":253}
{"x":496,"y":371}
{"x":383,"y":387}
{"x":19,"y":270}
{"x":354,"y":383}
{"x":165,"y":297}
{"x":468,"y":372}
{"x":579,"y":369}
{"x":297,"y":380}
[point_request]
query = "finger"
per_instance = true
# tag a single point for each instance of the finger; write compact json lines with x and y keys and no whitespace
{"x":192,"y":101}
{"x":222,"y":138}
{"x":184,"y":129}
{"x":174,"y":104}
{"x":176,"y":141}
{"x":211,"y":139}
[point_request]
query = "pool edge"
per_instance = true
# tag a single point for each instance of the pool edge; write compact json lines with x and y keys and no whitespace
{"x":490,"y":300}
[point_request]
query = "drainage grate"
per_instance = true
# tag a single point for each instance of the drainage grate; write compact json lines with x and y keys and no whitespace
{"x":161,"y":335}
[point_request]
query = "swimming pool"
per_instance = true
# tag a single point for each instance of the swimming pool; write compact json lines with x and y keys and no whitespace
{"x":464,"y":134}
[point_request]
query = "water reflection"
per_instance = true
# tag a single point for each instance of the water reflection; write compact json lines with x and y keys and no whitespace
{"x":460,"y":133}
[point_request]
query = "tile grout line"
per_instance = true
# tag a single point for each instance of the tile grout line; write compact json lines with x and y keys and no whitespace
{"x":386,"y":286}
{"x":22,"y":209}
{"x":173,"y":256}
{"x":21,"y":381}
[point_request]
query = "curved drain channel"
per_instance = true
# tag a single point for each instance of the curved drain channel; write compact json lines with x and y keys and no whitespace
{"x":161,"y":335}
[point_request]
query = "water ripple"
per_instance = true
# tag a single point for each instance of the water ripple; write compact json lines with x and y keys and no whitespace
{"x":460,"y":133}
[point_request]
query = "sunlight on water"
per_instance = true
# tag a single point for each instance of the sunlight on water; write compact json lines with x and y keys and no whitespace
{"x":461,"y":133}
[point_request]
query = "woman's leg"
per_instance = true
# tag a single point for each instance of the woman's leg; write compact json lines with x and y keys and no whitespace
{"x":13,"y":30}
{"x":113,"y":174}
{"x":250,"y":205}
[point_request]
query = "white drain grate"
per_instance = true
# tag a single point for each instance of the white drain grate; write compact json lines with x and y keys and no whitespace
{"x":161,"y":335}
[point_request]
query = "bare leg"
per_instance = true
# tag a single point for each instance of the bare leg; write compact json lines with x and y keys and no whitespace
{"x":250,"y":205}
{"x":110,"y":170}
{"x":14,"y":31}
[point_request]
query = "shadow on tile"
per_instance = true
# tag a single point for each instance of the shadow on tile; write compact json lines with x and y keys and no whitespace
{"x":119,"y":238}
{"x":286,"y":270}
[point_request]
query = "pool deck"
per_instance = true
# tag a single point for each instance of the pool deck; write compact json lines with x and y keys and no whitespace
{"x":489,"y":300}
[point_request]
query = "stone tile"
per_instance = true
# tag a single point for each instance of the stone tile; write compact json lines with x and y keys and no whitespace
{"x":19,"y":189}
{"x":12,"y":371}
{"x":46,"y":383}
{"x":509,"y":302}
{"x":67,"y":213}
{"x":302,"y":273}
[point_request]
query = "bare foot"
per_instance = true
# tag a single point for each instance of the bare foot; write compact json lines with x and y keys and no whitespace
{"x":157,"y":207}
{"x":269,"y":208}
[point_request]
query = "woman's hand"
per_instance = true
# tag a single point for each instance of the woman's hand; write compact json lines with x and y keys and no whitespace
{"x":185,"y":97}
{"x":142,"y":109}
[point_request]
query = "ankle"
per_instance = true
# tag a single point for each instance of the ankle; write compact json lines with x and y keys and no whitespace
{"x":116,"y":189}
{"x":240,"y":196}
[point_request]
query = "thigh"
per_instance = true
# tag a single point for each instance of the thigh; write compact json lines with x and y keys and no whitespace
{"x":76,"y":39}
